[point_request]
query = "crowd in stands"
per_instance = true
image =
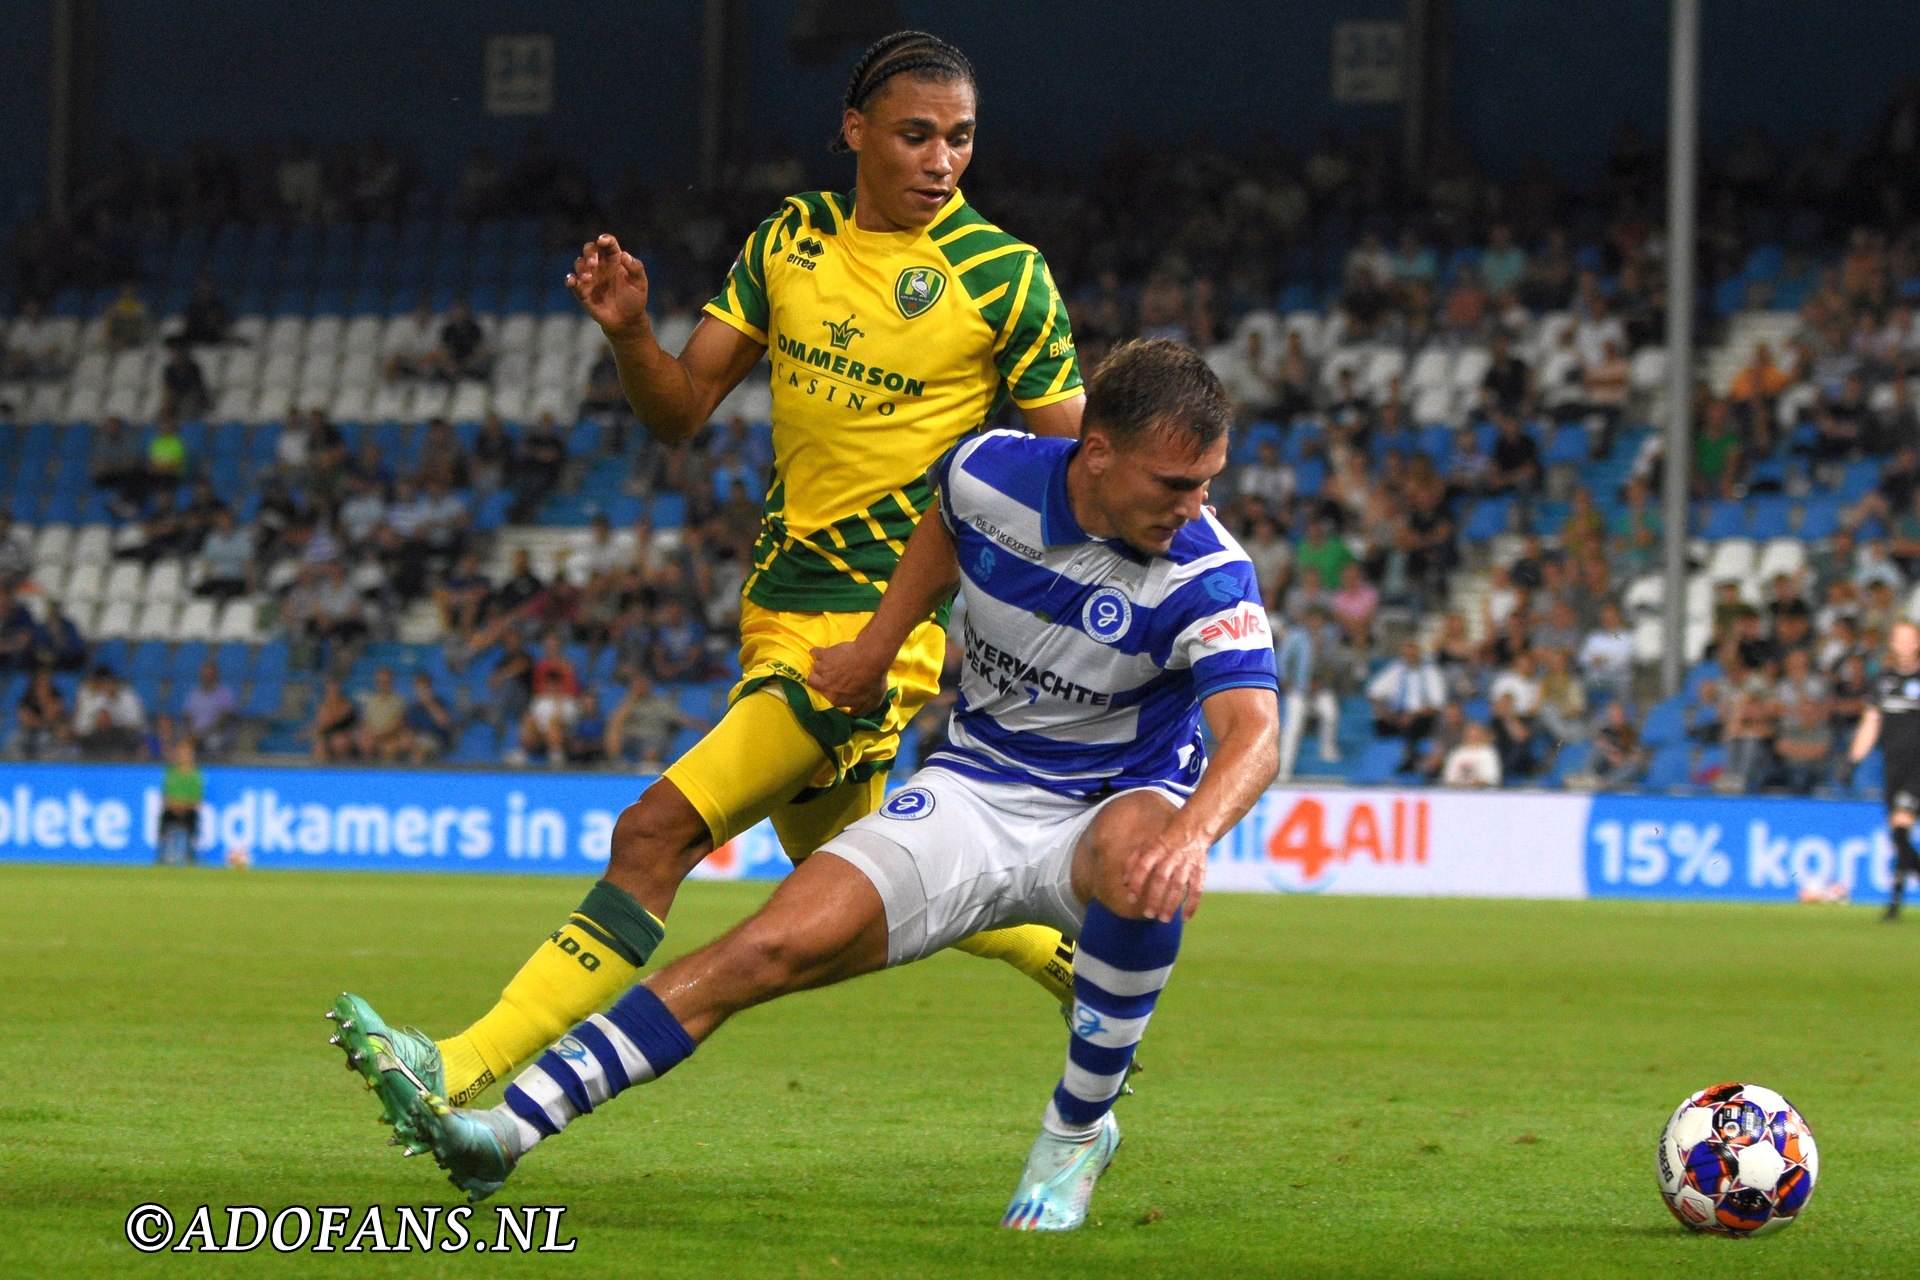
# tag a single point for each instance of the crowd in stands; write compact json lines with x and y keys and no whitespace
{"x":1443,"y":472}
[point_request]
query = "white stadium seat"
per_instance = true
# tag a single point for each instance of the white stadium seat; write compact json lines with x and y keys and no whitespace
{"x":90,"y":370}
{"x":286,"y":333}
{"x":125,"y":403}
{"x":155,"y":622}
{"x":353,"y":402}
{"x":362,"y":335}
{"x":274,"y":404}
{"x":53,"y":543}
{"x":429,"y":400}
{"x":93,"y":544}
{"x":165,"y":583}
{"x":516,"y":332}
{"x":324,"y":336}
{"x":85,"y":404}
{"x":470,"y":400}
{"x":238,"y":620}
{"x":126,"y":580}
{"x":1781,"y":555}
{"x":196,"y":621}
{"x":115,"y":621}
{"x":1733,"y":560}
{"x":235,"y":404}
{"x":130,"y":368}
{"x":282,"y":370}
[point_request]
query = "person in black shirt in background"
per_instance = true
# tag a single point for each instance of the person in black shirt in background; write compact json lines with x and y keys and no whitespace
{"x":1892,"y":720}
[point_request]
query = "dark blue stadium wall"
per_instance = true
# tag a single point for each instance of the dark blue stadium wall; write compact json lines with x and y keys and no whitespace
{"x":1526,"y":78}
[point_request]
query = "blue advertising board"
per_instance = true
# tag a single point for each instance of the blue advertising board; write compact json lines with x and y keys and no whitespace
{"x":350,"y":819}
{"x":1743,"y":848}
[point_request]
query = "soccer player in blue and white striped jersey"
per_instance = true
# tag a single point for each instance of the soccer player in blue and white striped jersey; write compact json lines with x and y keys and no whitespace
{"x":1107,"y":612}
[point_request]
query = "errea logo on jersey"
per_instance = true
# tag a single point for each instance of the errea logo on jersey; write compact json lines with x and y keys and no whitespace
{"x":806,"y":252}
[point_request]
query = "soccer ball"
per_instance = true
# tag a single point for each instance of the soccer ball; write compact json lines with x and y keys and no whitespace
{"x":1737,"y":1160}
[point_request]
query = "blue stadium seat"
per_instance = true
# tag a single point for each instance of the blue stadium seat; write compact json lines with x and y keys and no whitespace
{"x":1380,"y":762}
{"x":186,"y":661}
{"x":1669,"y":769}
{"x":669,"y":510}
{"x":1859,"y":479}
{"x":148,"y":661}
{"x":1666,"y":723}
{"x":1309,"y":476}
{"x":1568,"y":447}
{"x":1771,"y":516}
{"x":235,"y":661}
{"x":1820,"y":517}
{"x":1725,"y":519}
{"x":1491,"y":518}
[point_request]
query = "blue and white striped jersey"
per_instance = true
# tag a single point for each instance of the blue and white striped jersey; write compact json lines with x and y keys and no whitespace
{"x":1086,"y":661}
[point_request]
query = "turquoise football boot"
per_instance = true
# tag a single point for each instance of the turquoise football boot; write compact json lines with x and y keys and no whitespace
{"x":1057,"y":1183}
{"x":398,"y":1066}
{"x":475,"y":1147}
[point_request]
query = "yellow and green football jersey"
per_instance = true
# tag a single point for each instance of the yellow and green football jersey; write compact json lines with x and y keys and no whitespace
{"x":887,"y":347}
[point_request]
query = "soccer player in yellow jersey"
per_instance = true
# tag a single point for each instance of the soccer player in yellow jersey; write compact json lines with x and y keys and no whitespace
{"x":897,"y":320}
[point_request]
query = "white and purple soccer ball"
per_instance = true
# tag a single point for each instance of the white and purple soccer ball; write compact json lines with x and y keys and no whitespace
{"x":1737,"y":1160}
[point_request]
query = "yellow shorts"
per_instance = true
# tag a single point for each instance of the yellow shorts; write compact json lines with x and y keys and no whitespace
{"x":782,"y":752}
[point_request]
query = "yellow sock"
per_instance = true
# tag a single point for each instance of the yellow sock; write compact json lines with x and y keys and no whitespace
{"x":1035,"y":950}
{"x":587,"y":961}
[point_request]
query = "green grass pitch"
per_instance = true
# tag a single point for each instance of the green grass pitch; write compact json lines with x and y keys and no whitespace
{"x":1334,"y":1087}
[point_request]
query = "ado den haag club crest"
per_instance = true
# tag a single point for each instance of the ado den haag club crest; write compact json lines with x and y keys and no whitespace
{"x":917,"y":289}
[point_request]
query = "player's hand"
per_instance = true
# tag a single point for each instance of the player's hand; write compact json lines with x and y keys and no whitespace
{"x":1165,"y":875}
{"x":612,"y":285}
{"x":850,"y":677}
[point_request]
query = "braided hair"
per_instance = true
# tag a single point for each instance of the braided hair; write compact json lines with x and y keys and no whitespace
{"x":902,"y":53}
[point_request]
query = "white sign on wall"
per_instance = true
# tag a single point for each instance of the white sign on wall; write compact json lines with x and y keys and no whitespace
{"x":1367,"y":61}
{"x":519,"y":75}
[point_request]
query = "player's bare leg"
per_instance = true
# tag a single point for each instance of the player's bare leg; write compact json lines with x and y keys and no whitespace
{"x":1124,"y":957}
{"x":824,"y":924}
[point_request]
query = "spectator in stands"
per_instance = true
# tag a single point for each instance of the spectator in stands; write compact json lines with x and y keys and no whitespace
{"x":17,"y":631}
{"x":225,"y":559}
{"x":1804,"y":746}
{"x":1751,"y":719}
{"x":1618,"y":757}
{"x":510,"y":684}
{"x":109,"y":720}
{"x":1514,"y":738}
{"x":492,"y":454}
{"x":166,"y":460}
{"x":537,"y":464}
{"x":119,"y":465}
{"x":57,"y":642}
{"x":1249,"y":373}
{"x":129,"y":323}
{"x":679,"y":649}
{"x":461,"y":598}
{"x":209,"y":712}
{"x":337,"y":612}
{"x":410,"y":345}
{"x":1272,"y":557}
{"x":1606,"y":653}
{"x":1561,"y":628}
{"x":555,"y":706}
{"x":1354,"y":606}
{"x":1633,"y":535}
{"x":1508,"y":384}
{"x":1322,"y":556}
{"x":429,"y":723}
{"x":642,"y":726}
{"x":1265,"y":479}
{"x":44,"y":728}
{"x":31,"y":352}
{"x":207,"y":318}
{"x":461,"y":351}
{"x":1718,"y":459}
{"x":363,"y":515}
{"x":1607,"y":383}
{"x":183,"y":383}
{"x":1503,"y":264}
{"x":335,"y":724}
{"x":1473,"y":763}
{"x":382,"y":730}
{"x":1873,"y":566}
{"x":1515,"y":463}
{"x":1563,"y":698}
{"x":16,"y":552}
{"x":1407,"y":695}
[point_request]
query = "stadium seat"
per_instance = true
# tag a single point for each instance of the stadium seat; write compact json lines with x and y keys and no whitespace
{"x":1732,"y":560}
{"x":195,"y":621}
{"x":238,"y":620}
{"x":1380,"y":762}
{"x":1665,"y":723}
{"x":1491,"y":517}
{"x":1669,"y":768}
{"x":1724,"y":519}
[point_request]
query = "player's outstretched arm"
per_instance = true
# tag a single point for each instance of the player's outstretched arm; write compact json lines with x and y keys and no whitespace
{"x":1166,"y":876}
{"x":854,"y":675}
{"x":672,"y":396}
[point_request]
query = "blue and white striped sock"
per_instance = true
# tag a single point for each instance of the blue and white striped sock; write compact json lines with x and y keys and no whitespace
{"x":1119,"y":967}
{"x":633,"y":1042}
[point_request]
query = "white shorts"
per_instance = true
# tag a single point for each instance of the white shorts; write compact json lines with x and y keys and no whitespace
{"x":953,"y":855}
{"x":548,"y":707}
